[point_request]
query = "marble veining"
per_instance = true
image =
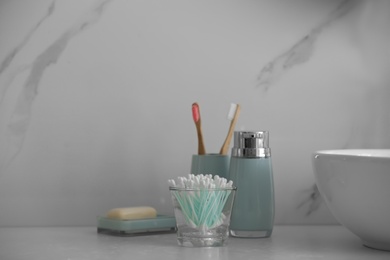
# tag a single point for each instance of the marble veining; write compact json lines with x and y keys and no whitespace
{"x":8,"y":59}
{"x":89,"y":88}
{"x":300,"y":52}
{"x":19,"y":121}
{"x":312,"y":202}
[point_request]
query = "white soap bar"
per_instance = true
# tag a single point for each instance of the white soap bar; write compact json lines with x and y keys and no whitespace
{"x":132,"y":213}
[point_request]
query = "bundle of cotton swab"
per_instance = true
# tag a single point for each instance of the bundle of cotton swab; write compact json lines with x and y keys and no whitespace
{"x":202,"y":199}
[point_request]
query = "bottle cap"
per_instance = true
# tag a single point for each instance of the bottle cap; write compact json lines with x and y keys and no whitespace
{"x":251,"y":144}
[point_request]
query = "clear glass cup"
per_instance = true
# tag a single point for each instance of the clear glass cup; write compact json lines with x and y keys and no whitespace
{"x":202,"y":215}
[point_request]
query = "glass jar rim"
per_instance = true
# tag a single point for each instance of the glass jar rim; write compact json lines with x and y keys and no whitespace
{"x":202,"y":189}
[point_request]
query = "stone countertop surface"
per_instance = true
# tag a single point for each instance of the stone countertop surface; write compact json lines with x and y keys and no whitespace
{"x":84,"y":243}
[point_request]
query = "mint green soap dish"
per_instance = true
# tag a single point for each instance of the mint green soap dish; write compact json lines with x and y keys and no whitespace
{"x":159,"y":224}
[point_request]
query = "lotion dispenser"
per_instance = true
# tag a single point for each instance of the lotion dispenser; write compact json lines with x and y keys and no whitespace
{"x":251,"y":172}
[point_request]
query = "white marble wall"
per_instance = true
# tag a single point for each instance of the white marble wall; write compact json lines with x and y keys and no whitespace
{"x":95,"y":97}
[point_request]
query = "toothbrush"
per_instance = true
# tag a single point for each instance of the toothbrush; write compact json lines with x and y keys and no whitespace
{"x":196,"y":117}
{"x":232,"y":116}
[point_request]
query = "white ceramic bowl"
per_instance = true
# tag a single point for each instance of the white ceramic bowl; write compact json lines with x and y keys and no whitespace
{"x":355,"y":185}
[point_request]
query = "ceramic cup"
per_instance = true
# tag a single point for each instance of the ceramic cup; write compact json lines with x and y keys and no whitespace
{"x":214,"y":164}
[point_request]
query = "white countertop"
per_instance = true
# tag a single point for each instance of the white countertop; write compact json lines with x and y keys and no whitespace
{"x":286,"y":242}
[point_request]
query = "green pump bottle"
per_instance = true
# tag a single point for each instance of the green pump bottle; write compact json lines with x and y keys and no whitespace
{"x":251,"y":172}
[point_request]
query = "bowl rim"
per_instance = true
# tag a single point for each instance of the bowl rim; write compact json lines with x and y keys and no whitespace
{"x":356,"y":153}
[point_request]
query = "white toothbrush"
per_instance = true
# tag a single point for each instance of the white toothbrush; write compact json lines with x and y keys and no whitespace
{"x":232,"y":116}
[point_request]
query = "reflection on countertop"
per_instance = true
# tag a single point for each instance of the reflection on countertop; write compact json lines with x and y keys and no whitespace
{"x":287,"y":242}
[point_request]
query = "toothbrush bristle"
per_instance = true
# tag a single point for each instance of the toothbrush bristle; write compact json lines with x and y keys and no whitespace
{"x":232,"y":111}
{"x":195,"y":112}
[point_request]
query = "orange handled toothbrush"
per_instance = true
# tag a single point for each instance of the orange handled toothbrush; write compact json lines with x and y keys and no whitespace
{"x":196,"y":117}
{"x":232,"y":116}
